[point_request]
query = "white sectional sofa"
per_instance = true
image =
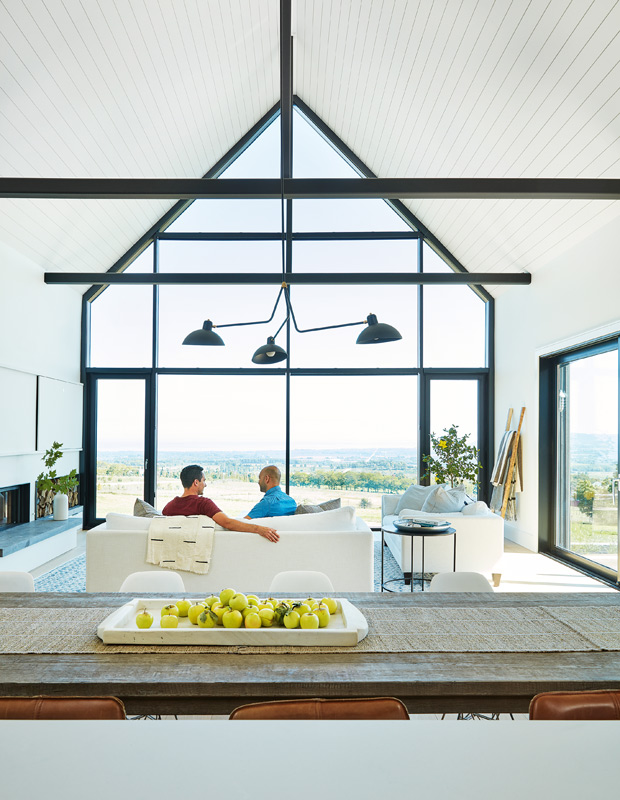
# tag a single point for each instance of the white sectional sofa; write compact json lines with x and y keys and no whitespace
{"x":334,"y":542}
{"x":479,"y":541}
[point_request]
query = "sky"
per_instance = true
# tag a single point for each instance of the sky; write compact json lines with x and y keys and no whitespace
{"x":240,"y":412}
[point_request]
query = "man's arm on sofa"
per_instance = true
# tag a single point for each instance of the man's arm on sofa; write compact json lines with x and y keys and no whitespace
{"x":237,"y":525}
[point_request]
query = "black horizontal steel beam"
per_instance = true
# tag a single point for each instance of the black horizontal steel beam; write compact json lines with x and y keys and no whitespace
{"x":312,"y":188}
{"x":299,"y":278}
{"x":277,"y":236}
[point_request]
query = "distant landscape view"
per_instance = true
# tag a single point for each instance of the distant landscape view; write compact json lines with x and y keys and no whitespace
{"x":593,"y":520}
{"x":359,"y":477}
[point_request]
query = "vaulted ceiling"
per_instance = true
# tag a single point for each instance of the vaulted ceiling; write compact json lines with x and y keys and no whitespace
{"x":415,"y":88}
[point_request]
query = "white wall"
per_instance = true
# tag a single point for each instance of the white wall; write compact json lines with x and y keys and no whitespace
{"x":40,"y":334}
{"x":567,"y":301}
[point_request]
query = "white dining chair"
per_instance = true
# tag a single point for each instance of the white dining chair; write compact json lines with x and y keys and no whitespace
{"x":16,"y":582}
{"x":301,"y":581}
{"x":463,"y":582}
{"x":460,"y":582}
{"x":153,"y":581}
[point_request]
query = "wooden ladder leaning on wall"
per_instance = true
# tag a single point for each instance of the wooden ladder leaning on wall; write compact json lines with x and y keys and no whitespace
{"x":510,"y":473}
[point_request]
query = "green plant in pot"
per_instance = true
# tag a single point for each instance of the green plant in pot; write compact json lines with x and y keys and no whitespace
{"x":455,"y":460}
{"x":60,"y":485}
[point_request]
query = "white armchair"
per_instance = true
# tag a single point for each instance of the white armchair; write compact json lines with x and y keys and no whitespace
{"x":479,"y":541}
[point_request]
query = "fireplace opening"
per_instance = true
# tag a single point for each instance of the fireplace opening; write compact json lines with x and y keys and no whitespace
{"x":14,"y":505}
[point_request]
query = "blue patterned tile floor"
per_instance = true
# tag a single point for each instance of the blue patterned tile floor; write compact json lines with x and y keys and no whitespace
{"x":71,"y":576}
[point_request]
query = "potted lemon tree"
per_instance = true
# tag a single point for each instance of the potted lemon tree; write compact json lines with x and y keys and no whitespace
{"x":59,"y":485}
{"x":455,"y":461}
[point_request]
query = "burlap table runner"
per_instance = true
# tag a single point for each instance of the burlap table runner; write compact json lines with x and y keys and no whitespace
{"x":450,"y":630}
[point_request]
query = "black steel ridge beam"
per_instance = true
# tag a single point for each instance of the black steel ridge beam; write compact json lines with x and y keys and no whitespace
{"x":312,"y":188}
{"x":249,"y":278}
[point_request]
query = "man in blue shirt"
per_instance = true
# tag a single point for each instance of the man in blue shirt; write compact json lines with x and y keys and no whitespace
{"x":275,"y":503}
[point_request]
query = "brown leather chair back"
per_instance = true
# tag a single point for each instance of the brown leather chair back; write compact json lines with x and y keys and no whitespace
{"x":61,"y":708}
{"x":316,"y":708}
{"x":597,"y":704}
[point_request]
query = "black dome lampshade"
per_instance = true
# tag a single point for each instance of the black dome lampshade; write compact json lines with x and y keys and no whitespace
{"x":204,"y":336}
{"x":377,"y":332}
{"x":269,"y":353}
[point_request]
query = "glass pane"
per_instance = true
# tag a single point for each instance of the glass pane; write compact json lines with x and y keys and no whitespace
{"x":236,"y":428}
{"x":315,"y":306}
{"x":454,"y":321}
{"x":455,"y":403}
{"x":183,"y":309}
{"x":260,"y":160}
{"x":353,"y":438}
{"x":589,"y":460}
{"x":202,"y":257}
{"x":400,"y":255}
{"x":314,"y":157}
{"x":122,"y":322}
{"x":120,"y":445}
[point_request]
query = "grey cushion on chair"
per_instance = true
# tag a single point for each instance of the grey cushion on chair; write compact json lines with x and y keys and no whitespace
{"x":143,"y":509}
{"x":328,"y":505}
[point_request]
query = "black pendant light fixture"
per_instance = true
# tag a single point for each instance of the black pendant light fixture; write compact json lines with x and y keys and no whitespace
{"x":377,"y":332}
{"x":205,"y":335}
{"x":271,"y":353}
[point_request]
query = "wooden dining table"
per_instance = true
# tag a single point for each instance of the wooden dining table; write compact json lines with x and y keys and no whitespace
{"x":427,"y":682}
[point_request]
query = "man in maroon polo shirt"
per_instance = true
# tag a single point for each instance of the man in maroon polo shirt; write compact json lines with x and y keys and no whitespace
{"x":192,"y":502}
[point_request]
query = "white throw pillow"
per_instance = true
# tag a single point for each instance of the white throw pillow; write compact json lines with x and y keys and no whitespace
{"x":479,"y":507}
{"x":414,"y":497}
{"x":340,"y":519}
{"x":442,"y":500}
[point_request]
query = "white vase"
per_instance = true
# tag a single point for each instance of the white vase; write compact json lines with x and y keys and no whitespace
{"x":61,"y":506}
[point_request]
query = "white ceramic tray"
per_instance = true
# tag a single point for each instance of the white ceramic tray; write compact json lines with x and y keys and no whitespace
{"x":346,"y":628}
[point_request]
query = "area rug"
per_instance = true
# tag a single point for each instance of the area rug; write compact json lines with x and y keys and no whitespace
{"x":71,"y":576}
{"x":68,"y":577}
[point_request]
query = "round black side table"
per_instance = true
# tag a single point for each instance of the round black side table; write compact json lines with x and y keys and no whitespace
{"x":423,"y":533}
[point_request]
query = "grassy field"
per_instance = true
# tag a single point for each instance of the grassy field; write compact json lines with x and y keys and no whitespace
{"x":235,"y":498}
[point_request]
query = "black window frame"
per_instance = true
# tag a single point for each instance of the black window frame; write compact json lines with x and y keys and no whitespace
{"x":158,"y":232}
{"x":548,"y":454}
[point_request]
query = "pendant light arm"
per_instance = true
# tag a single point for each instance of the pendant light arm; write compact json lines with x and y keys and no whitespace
{"x":256,"y":322}
{"x":311,"y":330}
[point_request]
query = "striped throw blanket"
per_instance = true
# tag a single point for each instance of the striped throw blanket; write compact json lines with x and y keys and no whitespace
{"x":183,"y":543}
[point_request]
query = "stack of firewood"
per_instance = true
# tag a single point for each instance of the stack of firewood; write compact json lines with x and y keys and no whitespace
{"x":45,"y":502}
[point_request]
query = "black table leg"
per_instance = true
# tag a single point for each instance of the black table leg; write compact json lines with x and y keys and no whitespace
{"x":382,"y":546}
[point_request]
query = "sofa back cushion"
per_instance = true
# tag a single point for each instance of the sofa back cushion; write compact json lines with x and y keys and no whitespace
{"x":340,"y":519}
{"x":126,"y":522}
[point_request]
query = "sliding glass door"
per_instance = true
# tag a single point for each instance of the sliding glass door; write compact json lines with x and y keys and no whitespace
{"x":586,"y":513}
{"x":118,"y":416}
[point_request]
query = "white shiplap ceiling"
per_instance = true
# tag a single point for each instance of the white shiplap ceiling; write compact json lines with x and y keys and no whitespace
{"x":416,"y":88}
